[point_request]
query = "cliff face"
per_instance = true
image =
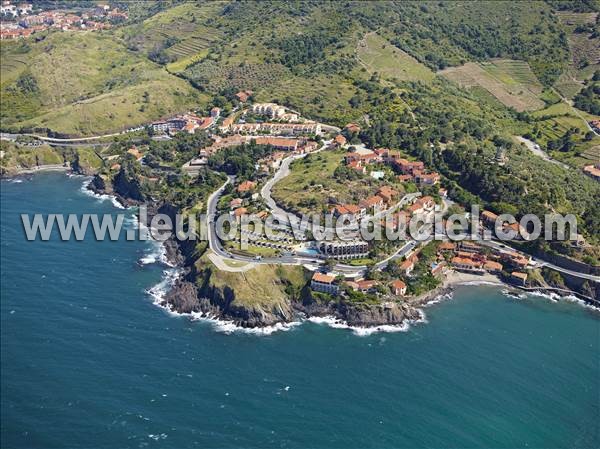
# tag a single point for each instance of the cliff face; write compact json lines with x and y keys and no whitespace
{"x":227,"y":302}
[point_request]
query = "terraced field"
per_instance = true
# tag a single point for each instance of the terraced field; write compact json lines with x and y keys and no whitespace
{"x":511,"y":82}
{"x":186,"y":25}
{"x":585,"y":53}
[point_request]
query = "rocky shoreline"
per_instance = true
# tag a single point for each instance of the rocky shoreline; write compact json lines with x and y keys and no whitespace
{"x":186,"y":297}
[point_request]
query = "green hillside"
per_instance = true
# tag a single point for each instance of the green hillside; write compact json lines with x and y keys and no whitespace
{"x":86,"y":83}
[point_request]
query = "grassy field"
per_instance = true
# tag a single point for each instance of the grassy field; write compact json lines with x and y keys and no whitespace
{"x":392,"y":63}
{"x":311,"y":184}
{"x":262,"y":287}
{"x":60,"y":83}
{"x":511,"y":82}
{"x":16,"y":157}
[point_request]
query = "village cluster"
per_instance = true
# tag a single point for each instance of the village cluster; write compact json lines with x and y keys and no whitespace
{"x":467,"y":257}
{"x":291,"y":135}
{"x":20,"y":21}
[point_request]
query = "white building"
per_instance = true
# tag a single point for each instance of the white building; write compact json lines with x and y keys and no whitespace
{"x":271,"y":109}
{"x":324,"y":283}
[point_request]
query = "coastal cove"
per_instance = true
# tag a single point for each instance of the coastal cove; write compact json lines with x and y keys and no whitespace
{"x":500,"y":366}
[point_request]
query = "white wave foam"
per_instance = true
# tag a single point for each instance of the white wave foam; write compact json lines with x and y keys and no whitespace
{"x":551,"y":296}
{"x":15,"y":181}
{"x":512,"y":294}
{"x":361,"y":331}
{"x":100,"y":197}
{"x":441,"y":298}
{"x":229,"y":327}
{"x":581,"y":302}
{"x":159,"y":291}
{"x":495,"y":284}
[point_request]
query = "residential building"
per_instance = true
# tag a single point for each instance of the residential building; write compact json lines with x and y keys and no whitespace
{"x":467,"y":265}
{"x":339,"y":140}
{"x":344,"y":249}
{"x":246,"y":186}
{"x":398,"y":287}
{"x":373,"y":204}
{"x":239,"y":212}
{"x":518,"y":278}
{"x":279,"y":143}
{"x":592,"y":170}
{"x":407,"y":266}
{"x":270,"y":109}
{"x":388,"y":194}
{"x":363,"y":286}
{"x":352,"y":128}
{"x":215,"y":112}
{"x":324,"y":283}
{"x":428,"y":179}
{"x":492,"y":266}
{"x":235,"y":203}
{"x":243,"y":95}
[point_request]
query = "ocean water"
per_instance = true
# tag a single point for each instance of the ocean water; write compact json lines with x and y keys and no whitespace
{"x":88,"y":361}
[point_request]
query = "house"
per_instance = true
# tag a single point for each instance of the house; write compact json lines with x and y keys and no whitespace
{"x":467,"y":265}
{"x":358,"y":166}
{"x":382,"y":152}
{"x":279,"y":143}
{"x":271,"y":109}
{"x":235,"y":203}
{"x":240,"y":211}
{"x":366,"y":286}
{"x":437,"y":268}
{"x":592,"y":170}
{"x":408,"y":168}
{"x":135,"y":153}
{"x":352,"y":128}
{"x":215,"y":112}
{"x":492,"y":266}
{"x":243,"y":95}
{"x":404,"y":178}
{"x":339,"y":140}
{"x":489,"y":218}
{"x":518,"y":278}
{"x":446,"y":247}
{"x":354,"y":212}
{"x":374,"y":203}
{"x":388,"y":194}
{"x":428,"y":179}
{"x":324,"y":283}
{"x":377,"y":174}
{"x":246,"y":186}
{"x":398,"y":287}
{"x":407,"y":266}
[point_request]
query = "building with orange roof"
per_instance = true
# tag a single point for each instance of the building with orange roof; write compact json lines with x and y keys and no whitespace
{"x":407,"y":266}
{"x":518,"y":278}
{"x":388,"y":194}
{"x":492,"y":266}
{"x":398,"y":287}
{"x":468,"y":265}
{"x":339,"y":140}
{"x":373,"y":202}
{"x":246,"y":186}
{"x":324,"y":283}
{"x":240,"y":211}
{"x":352,"y":128}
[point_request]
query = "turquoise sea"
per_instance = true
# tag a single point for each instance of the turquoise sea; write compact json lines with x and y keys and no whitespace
{"x":88,"y":361}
